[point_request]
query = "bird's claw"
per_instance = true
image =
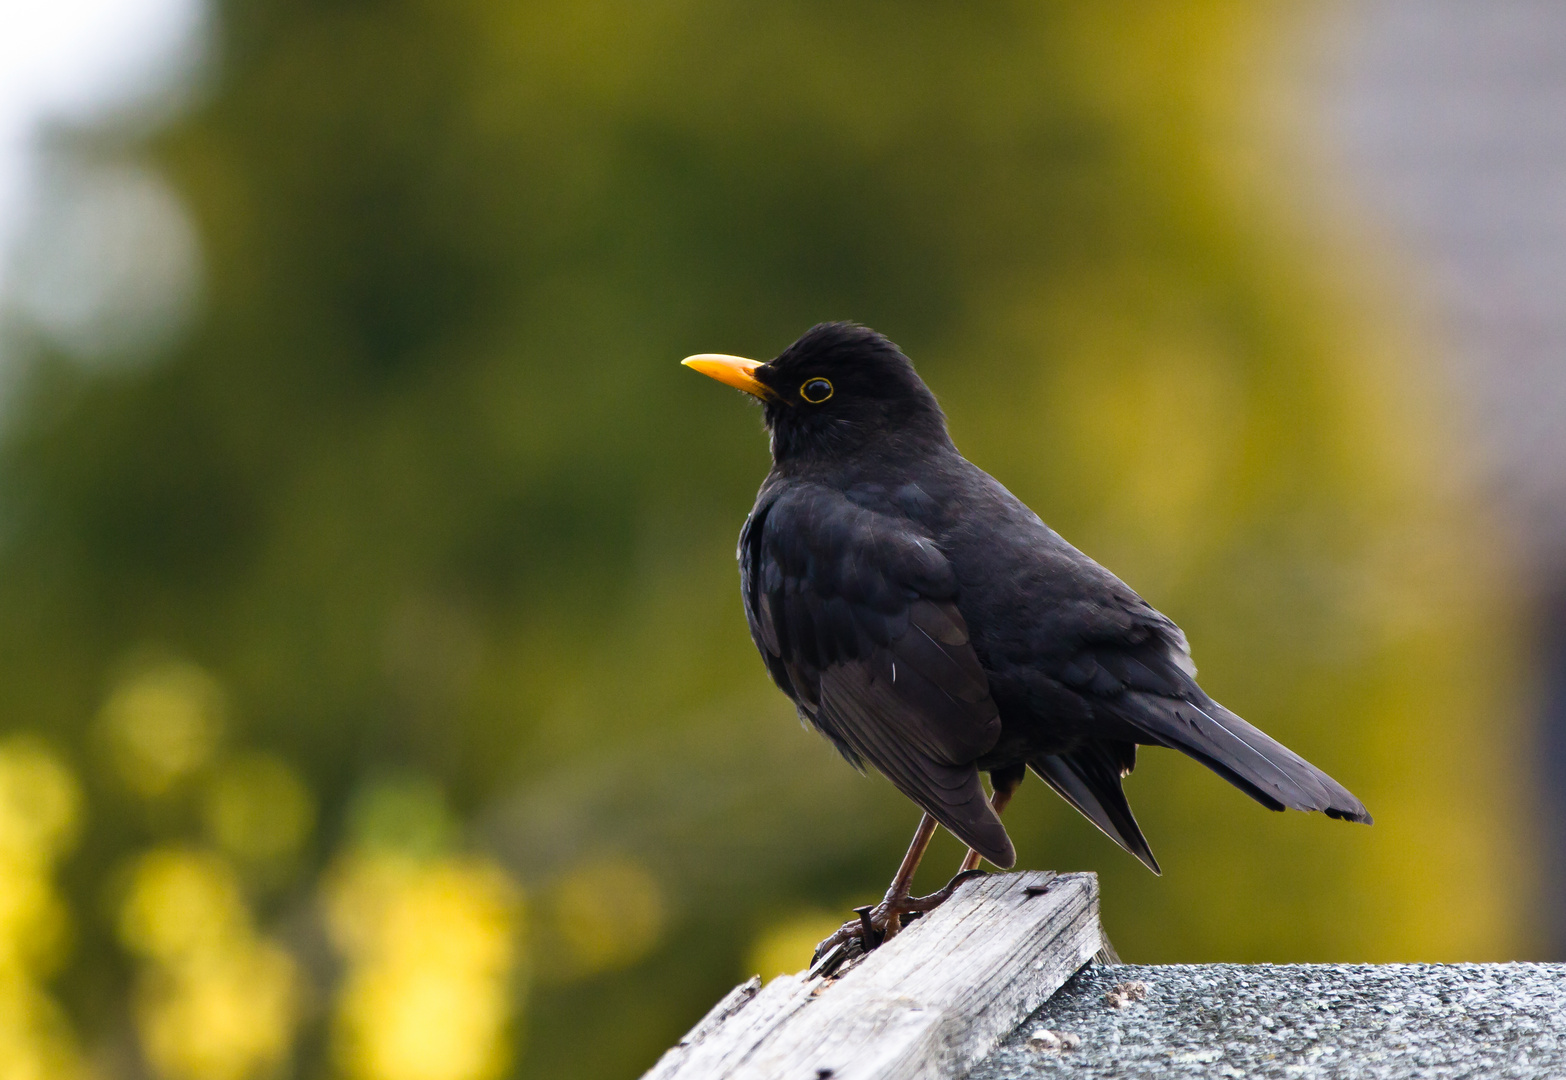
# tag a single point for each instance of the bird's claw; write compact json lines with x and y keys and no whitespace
{"x":874,"y":925}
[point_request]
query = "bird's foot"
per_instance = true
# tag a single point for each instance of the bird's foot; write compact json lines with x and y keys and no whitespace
{"x":876,"y":924}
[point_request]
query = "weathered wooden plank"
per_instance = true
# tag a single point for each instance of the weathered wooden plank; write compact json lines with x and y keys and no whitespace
{"x":928,"y":1004}
{"x":709,"y":1052}
{"x":731,"y":1003}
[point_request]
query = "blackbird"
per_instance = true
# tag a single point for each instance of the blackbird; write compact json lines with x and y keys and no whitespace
{"x":927,"y":622}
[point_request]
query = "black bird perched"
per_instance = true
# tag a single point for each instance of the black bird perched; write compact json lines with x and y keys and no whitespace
{"x":926,"y":621}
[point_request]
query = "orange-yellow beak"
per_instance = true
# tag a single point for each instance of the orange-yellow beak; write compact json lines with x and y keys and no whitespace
{"x":733,"y":371}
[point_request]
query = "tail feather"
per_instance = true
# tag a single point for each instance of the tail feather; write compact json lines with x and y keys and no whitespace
{"x":1247,"y":757}
{"x":1089,"y":779}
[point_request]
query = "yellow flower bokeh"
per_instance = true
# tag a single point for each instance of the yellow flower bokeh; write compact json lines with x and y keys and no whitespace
{"x":35,"y":1041}
{"x":606,"y":914}
{"x":786,"y":946}
{"x":257,"y":808}
{"x":182,"y":904}
{"x":40,"y":809}
{"x":161,"y":724}
{"x":224,"y":1015}
{"x":432,"y":950}
{"x":214,"y":1000}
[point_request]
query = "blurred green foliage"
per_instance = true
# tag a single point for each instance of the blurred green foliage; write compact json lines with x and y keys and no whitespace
{"x":419,"y":546}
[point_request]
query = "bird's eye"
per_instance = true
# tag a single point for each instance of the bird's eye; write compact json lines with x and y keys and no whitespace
{"x":815,"y":391}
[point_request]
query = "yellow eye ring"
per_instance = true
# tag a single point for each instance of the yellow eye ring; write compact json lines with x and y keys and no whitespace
{"x":815,"y":391}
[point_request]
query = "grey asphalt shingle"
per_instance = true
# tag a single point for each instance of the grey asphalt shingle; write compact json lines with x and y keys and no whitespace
{"x":1300,"y":1021}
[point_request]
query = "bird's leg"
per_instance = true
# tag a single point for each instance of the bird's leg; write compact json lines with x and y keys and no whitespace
{"x":1005,"y":782}
{"x":902,"y":881}
{"x":875,"y":925}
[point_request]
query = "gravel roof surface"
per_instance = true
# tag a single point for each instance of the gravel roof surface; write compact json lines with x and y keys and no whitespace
{"x":1296,"y":1021}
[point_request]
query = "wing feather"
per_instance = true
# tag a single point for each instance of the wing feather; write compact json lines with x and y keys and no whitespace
{"x":854,"y":612}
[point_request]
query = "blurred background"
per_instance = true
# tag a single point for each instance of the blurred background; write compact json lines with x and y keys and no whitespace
{"x":375,"y":696}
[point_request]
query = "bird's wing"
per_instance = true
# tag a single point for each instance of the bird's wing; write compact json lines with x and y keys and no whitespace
{"x":1133,"y":664}
{"x":854,"y":612}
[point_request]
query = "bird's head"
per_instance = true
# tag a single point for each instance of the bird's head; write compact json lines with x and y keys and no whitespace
{"x":840,"y":389}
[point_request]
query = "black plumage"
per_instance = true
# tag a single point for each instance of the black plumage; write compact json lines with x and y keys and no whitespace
{"x":930,"y":624}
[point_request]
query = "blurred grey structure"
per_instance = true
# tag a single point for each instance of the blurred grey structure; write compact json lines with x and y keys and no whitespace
{"x":1450,"y":116}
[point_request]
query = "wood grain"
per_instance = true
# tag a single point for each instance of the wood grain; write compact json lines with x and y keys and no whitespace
{"x":930,"y":1003}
